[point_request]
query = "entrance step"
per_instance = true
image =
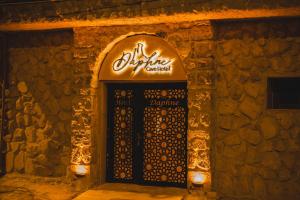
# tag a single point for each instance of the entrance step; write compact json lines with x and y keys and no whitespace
{"x":120,"y":191}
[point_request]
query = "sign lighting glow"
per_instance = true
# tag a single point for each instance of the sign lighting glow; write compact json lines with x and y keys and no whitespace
{"x":139,"y":60}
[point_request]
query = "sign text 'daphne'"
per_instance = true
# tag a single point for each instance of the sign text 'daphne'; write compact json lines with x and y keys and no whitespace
{"x":139,"y":60}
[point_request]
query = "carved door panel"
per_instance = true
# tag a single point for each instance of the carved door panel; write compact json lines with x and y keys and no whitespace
{"x":120,"y":134}
{"x":164,"y":124}
{"x":147,"y":134}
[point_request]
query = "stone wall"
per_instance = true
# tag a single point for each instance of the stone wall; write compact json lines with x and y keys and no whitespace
{"x":256,"y":149}
{"x":39,"y":108}
{"x":104,"y":9}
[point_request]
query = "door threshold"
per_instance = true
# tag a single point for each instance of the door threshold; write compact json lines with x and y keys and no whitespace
{"x":127,"y":191}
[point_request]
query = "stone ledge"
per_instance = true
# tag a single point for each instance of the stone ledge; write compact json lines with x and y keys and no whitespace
{"x":184,"y":17}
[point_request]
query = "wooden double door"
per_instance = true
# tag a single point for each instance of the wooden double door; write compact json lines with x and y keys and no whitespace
{"x":147,"y":134}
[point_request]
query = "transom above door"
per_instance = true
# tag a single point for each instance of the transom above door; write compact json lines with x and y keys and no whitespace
{"x":147,"y":134}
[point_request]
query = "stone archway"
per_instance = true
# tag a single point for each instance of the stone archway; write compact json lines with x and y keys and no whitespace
{"x":199,"y":119}
{"x":104,"y":74}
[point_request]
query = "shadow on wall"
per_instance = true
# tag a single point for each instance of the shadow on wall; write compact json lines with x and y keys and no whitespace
{"x":39,"y":107}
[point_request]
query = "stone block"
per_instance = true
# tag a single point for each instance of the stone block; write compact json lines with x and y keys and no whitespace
{"x":271,"y":160}
{"x":22,"y":87}
{"x":41,"y":121}
{"x":239,"y":121}
{"x":224,"y":60}
{"x":53,"y":106}
{"x":285,"y":119}
{"x":19,"y":104}
{"x":8,"y":138}
{"x":19,"y":161}
{"x":276,"y":47}
{"x":269,"y":127}
{"x":236,"y":91}
{"x":262,"y":64}
{"x":65,"y":116}
{"x":251,"y":136}
{"x":201,"y":33}
{"x":235,"y":151}
{"x":57,"y":136}
{"x":40,"y":170}
{"x":15,"y":146}
{"x":10,"y":114}
{"x":61,"y":127}
{"x":202,"y":49}
{"x":225,"y":122}
{"x":232,"y":139}
{"x":293,"y":132}
{"x":27,"y":120}
{"x":274,"y":189}
{"x":199,"y":78}
{"x":32,"y":150}
{"x":41,"y":134}
{"x":230,"y":45}
{"x":284,"y":174}
{"x":42,"y":160}
{"x":60,"y":170}
{"x":288,"y":160}
{"x":279,"y":145}
{"x":42,"y":85}
{"x":267,"y":173}
{"x":67,"y":89}
{"x":18,"y":134}
{"x":10,"y":161}
{"x":227,"y":106}
{"x":242,"y":185}
{"x":28,"y":108}
{"x":44,"y":146}
{"x":244,"y":63}
{"x":250,"y":108}
{"x":252,"y":89}
{"x":267,"y":146}
{"x":30,"y":133}
{"x":257,"y":50}
{"x":37,"y":109}
{"x":253,"y":156}
{"x":225,"y":184}
{"x":29,"y":166}
{"x":11,"y":126}
{"x":259,"y":187}
{"x":222,"y":89}
{"x":20,"y":120}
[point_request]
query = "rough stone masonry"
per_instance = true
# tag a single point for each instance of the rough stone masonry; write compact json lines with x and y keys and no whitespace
{"x":254,"y":152}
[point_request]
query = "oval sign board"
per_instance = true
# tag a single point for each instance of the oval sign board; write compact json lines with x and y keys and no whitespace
{"x":142,"y":58}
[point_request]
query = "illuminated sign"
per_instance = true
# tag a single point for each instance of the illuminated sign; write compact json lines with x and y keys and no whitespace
{"x":138,"y":60}
{"x":141,"y":57}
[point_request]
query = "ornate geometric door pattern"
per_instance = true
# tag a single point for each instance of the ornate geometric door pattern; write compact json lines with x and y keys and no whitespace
{"x":147,"y":134}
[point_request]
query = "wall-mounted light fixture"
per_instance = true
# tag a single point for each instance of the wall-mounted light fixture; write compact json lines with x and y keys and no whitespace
{"x":198,"y":180}
{"x":80,"y":170}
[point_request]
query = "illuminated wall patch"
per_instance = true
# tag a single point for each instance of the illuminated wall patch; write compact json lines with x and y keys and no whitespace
{"x":138,"y":59}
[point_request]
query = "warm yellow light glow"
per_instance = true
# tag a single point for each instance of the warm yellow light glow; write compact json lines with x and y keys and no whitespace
{"x":198,"y":178}
{"x":138,"y":60}
{"x":81,"y":170}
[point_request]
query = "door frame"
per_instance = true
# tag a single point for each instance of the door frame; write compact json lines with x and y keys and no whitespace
{"x":3,"y":85}
{"x":109,"y":148}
